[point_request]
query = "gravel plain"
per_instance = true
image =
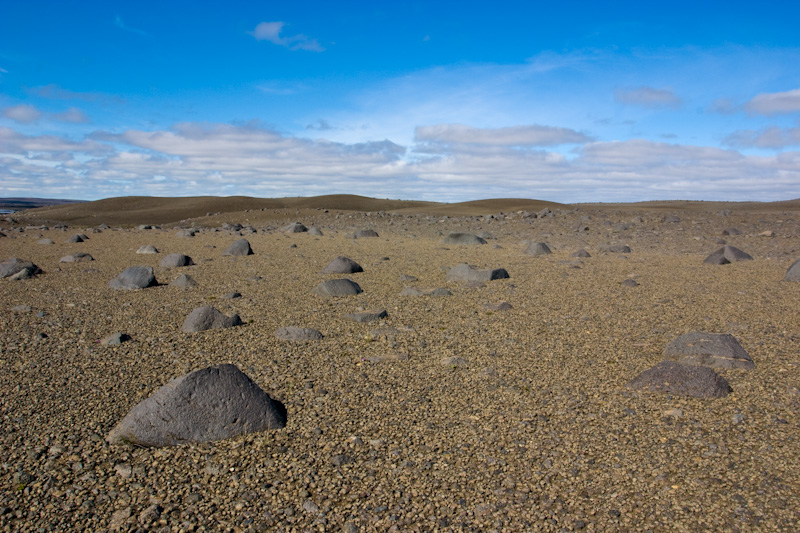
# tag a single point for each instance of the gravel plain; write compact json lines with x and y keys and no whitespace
{"x":450,"y":414}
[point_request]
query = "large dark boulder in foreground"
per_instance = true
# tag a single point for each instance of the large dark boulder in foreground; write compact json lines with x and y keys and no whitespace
{"x":342,"y":265}
{"x":538,"y":248}
{"x":207,"y":317}
{"x":465,"y":273}
{"x":716,"y":350}
{"x":240,"y":247}
{"x":463,"y":238}
{"x":295,"y":334}
{"x":681,"y":380}
{"x":175,"y":261}
{"x":206,"y":405}
{"x":135,"y":277}
{"x":727,"y":254}
{"x":15,"y":265}
{"x":793,"y":274}
{"x":337,"y":287}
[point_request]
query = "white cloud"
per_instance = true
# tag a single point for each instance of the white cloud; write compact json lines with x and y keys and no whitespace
{"x":72,"y":115}
{"x":533,"y":135}
{"x":221,"y":159}
{"x":120,"y":24}
{"x":23,"y":113}
{"x":775,"y":103}
{"x":770,"y":137}
{"x":271,"y":31}
{"x":648,"y":97}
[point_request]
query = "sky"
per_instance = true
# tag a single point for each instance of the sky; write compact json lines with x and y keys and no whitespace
{"x":443,"y":101}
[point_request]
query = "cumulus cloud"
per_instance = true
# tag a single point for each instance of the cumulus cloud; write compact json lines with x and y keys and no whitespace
{"x":775,"y":103}
{"x":648,"y":97}
{"x":23,"y":113}
{"x":224,"y":159}
{"x":533,"y":135}
{"x":271,"y":32}
{"x":770,"y":137}
{"x":723,"y":106}
{"x":72,"y":115}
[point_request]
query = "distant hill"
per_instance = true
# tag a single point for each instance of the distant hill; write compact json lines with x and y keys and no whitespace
{"x":18,"y":204}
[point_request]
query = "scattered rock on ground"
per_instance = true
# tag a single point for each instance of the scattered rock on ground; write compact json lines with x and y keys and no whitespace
{"x":210,"y":404}
{"x":80,"y":257}
{"x":14,"y":266}
{"x":135,"y":277}
{"x":681,"y":380}
{"x":240,"y":247}
{"x":538,"y":248}
{"x":294,"y":227}
{"x":364,"y":233}
{"x":115,"y":338}
{"x":337,"y":287}
{"x":717,"y":350}
{"x":184,"y":281}
{"x":465,"y":273}
{"x":463,"y":238}
{"x":291,"y":333}
{"x":175,"y":261}
{"x":342,"y":265}
{"x":147,"y":249}
{"x":367,"y":316}
{"x":793,"y":274}
{"x":727,"y":254}
{"x":207,"y":317}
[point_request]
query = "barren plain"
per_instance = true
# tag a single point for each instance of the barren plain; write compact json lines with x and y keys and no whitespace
{"x":450,"y":414}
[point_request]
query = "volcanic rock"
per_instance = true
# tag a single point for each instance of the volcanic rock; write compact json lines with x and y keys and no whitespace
{"x":76,"y":258}
{"x":463,"y":238}
{"x":465,"y":273}
{"x":342,"y":265}
{"x":681,"y":380}
{"x":294,"y":227}
{"x":793,"y":274}
{"x":727,"y":254}
{"x":206,"y":405}
{"x":13,"y":266}
{"x":291,"y":333}
{"x":240,"y":247}
{"x":135,"y":277}
{"x":184,"y":281}
{"x":175,"y":261}
{"x":716,"y":350}
{"x":538,"y":248}
{"x":207,"y":317}
{"x":337,"y":287}
{"x":147,"y":249}
{"x":367,"y":316}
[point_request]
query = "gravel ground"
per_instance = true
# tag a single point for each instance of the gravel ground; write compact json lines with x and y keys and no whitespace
{"x":532,"y":429}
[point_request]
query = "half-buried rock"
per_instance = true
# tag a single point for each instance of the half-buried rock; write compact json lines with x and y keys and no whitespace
{"x":342,"y":265}
{"x":14,"y":266}
{"x":175,"y":261}
{"x":147,"y":249}
{"x":463,"y":238}
{"x":294,"y":227}
{"x":295,"y":334}
{"x":135,"y":277}
{"x":207,"y":317}
{"x":184,"y":281}
{"x":727,"y":254}
{"x":365,"y":233}
{"x":716,"y":350}
{"x":681,"y":380}
{"x":80,"y":257}
{"x":337,"y":287}
{"x":465,"y":273}
{"x":538,"y":248}
{"x":793,"y":274}
{"x":206,"y":405}
{"x":240,"y":247}
{"x":367,"y":316}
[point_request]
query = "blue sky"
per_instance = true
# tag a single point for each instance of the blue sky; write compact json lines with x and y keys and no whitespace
{"x":445,"y":101}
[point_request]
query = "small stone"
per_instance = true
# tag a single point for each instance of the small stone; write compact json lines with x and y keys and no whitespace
{"x":367,"y":316}
{"x":115,"y":339}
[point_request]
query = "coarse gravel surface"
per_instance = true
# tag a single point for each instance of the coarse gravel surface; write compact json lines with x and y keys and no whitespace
{"x":532,"y":430}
